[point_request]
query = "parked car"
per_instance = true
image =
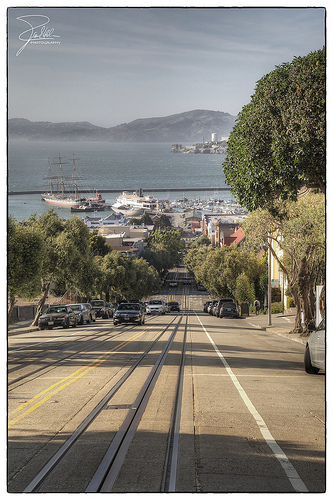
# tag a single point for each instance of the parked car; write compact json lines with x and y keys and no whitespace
{"x":129,"y":312}
{"x":173,"y":306}
{"x":186,"y":281}
{"x":229,"y":309}
{"x":211,"y":306}
{"x":155,"y":306}
{"x":91,"y":311}
{"x":200,"y":287}
{"x":205,"y":307}
{"x":101,"y":309}
{"x":314,"y":356}
{"x":217,"y":309}
{"x":57,"y":316}
{"x":82,"y":313}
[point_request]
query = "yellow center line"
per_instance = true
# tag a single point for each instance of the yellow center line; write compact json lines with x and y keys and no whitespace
{"x":65,"y":382}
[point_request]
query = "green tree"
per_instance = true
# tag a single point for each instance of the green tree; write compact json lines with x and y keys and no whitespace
{"x":278,"y":143}
{"x":297,"y":242}
{"x":244,"y":291}
{"x":163,"y":222}
{"x":126,"y":277}
{"x":218,"y":268}
{"x":145,"y":219}
{"x":25,"y":254}
{"x":98,"y":244}
{"x":165,"y":249}
{"x":67,"y":259}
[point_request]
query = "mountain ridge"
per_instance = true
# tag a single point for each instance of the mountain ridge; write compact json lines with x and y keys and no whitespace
{"x":191,"y":126}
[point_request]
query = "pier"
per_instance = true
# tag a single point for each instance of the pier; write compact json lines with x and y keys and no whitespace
{"x":155,"y":190}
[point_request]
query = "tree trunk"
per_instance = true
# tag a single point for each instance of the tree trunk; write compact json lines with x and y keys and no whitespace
{"x":298,"y":317}
{"x":10,"y":308}
{"x":303,"y":284}
{"x":322,"y":302}
{"x":41,"y":303}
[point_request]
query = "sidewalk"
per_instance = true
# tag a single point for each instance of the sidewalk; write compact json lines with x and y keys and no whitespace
{"x":21,"y":327}
{"x":281,"y":325}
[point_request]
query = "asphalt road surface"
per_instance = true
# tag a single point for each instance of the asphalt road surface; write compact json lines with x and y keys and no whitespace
{"x":186,"y":402}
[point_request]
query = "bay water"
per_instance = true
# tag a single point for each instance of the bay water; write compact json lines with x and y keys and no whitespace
{"x":116,"y":166}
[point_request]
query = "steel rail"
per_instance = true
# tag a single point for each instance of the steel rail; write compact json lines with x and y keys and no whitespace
{"x":171,"y":461}
{"x":108,"y":470}
{"x":40,"y":478}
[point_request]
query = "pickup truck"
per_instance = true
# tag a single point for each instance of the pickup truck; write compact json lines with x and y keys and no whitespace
{"x":155,"y":306}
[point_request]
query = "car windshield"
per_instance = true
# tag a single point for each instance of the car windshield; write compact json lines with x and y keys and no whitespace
{"x":155,"y":302}
{"x":53,"y":310}
{"x":76,"y":307}
{"x":228,"y":304}
{"x":97,"y":303}
{"x":321,"y":325}
{"x":173,"y":303}
{"x":129,"y":307}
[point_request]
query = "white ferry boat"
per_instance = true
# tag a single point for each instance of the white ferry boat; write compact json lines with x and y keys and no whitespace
{"x":135,"y":203}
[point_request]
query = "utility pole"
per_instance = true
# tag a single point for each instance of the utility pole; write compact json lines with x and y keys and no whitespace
{"x":269,"y":288}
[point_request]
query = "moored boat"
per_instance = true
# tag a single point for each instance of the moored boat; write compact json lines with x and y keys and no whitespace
{"x":135,"y":203}
{"x":64,"y":190}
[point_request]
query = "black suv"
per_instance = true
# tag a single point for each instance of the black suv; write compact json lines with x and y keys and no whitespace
{"x":129,"y":312}
{"x":173,"y":306}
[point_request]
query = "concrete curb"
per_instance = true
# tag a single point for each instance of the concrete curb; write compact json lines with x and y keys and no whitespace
{"x":23,"y":329}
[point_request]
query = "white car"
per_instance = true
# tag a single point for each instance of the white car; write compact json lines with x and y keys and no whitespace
{"x":315,"y":352}
{"x":155,"y":306}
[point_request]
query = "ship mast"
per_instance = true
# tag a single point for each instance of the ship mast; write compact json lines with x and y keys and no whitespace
{"x":61,"y":177}
{"x":74,"y":179}
{"x":51,"y":185}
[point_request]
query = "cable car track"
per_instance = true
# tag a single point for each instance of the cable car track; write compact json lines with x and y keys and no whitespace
{"x":52,"y":354}
{"x":106,"y":472}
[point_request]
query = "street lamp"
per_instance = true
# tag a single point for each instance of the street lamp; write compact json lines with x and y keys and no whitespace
{"x":282,"y":289}
{"x":269,"y":287}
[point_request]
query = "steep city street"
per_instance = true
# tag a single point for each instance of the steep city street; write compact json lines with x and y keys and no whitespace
{"x":186,"y":402}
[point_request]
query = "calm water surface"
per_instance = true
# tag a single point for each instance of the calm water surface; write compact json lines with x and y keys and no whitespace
{"x":121,"y":166}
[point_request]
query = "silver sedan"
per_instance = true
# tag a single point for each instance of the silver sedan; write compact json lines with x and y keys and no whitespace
{"x":315,"y":351}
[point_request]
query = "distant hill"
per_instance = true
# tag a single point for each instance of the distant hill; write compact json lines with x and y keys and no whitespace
{"x":191,"y":126}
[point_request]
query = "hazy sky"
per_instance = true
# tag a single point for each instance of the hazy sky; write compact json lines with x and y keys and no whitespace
{"x":113,"y":65}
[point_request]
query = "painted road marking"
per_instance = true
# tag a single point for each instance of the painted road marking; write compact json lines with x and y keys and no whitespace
{"x":279,"y":454}
{"x":65,"y":382}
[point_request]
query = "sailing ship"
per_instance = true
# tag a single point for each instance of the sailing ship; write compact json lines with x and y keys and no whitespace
{"x":64,"y":190}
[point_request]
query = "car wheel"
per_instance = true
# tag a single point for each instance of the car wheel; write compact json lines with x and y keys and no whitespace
{"x":81,"y":321}
{"x":75,"y":323}
{"x":307,"y":362}
{"x":88,"y":321}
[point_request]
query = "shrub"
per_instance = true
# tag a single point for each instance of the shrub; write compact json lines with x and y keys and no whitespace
{"x":290,"y":302}
{"x":276,"y":307}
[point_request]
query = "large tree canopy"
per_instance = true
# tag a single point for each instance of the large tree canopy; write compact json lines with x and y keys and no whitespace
{"x":277,"y":146}
{"x":297,"y":242}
